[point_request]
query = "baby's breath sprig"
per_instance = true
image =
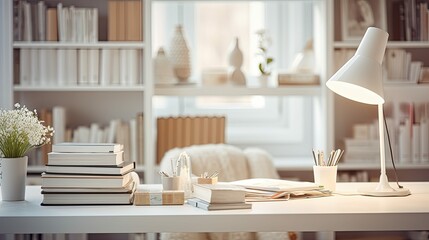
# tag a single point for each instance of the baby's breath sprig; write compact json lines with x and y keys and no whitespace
{"x":20,"y":131}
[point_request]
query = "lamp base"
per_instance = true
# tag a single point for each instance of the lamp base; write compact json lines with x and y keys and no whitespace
{"x":383,"y":189}
{"x":397,"y":192}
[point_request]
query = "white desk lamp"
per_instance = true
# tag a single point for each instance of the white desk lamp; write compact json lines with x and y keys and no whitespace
{"x":360,"y":80}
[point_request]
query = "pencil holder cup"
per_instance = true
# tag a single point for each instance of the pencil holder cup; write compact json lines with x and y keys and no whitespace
{"x":171,"y":183}
{"x":212,"y":180}
{"x":325,"y":176}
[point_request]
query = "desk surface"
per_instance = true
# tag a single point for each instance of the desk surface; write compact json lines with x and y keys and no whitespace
{"x":335,"y":213}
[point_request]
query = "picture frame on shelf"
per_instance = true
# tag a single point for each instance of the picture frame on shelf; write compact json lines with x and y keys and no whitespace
{"x":358,"y":15}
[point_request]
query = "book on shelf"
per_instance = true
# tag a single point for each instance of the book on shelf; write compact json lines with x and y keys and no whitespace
{"x":276,"y":185}
{"x":85,"y":159}
{"x":298,"y":79}
{"x":85,"y":181}
{"x":120,"y":169}
{"x":219,"y":193}
{"x":125,"y":20}
{"x":58,"y":123}
{"x":196,"y":202}
{"x":72,"y":147}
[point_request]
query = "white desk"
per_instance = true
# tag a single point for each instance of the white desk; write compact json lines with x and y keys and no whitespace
{"x":336,"y":213}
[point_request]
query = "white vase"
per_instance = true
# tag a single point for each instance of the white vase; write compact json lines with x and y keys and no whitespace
{"x":236,"y":76}
{"x":13,"y":178}
{"x":179,"y":55}
{"x":163,"y":69}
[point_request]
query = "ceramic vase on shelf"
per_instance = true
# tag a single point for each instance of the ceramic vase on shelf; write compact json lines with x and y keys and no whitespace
{"x":236,"y":76}
{"x":180,"y":56}
{"x":13,"y":178}
{"x":263,"y":80}
{"x":163,"y":69}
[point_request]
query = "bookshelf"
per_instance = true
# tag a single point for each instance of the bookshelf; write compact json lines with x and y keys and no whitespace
{"x":344,"y":111}
{"x":335,"y":127}
{"x":86,"y":104}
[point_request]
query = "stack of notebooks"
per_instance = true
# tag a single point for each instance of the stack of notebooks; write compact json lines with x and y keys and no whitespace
{"x":88,"y":174}
{"x":219,"y":196}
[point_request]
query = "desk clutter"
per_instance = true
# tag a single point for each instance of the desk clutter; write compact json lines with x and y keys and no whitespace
{"x":88,"y":174}
{"x":96,"y":174}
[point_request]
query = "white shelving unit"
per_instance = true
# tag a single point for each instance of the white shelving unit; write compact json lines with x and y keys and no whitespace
{"x":48,"y":96}
{"x":344,"y":115}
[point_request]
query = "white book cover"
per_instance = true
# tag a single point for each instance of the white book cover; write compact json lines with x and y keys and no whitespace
{"x":100,"y":136}
{"x":66,"y":24}
{"x":93,"y":37}
{"x":87,"y":147}
{"x":52,"y":67}
{"x":43,"y":67}
{"x":84,"y":134}
{"x":71,"y":59}
{"x":133,"y":140}
{"x":115,"y":78}
{"x":72,"y":25}
{"x":105,"y":134}
{"x":83,"y":78}
{"x":61,"y":23}
{"x":133,"y":63}
{"x":41,"y":14}
{"x":79,"y":22}
{"x":28,"y":28}
{"x":25,"y":67}
{"x":61,"y":67}
{"x":415,"y":143}
{"x":94,"y":130}
{"x":424,"y":140}
{"x":93,"y":66}
{"x":59,"y":123}
{"x":105,"y":67}
{"x":123,"y":67}
{"x":34,"y":68}
{"x":111,"y":138}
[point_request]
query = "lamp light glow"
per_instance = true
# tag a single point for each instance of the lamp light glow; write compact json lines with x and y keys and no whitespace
{"x":360,"y":80}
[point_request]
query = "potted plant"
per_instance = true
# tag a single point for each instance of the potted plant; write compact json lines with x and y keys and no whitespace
{"x":264,"y":59}
{"x":20,"y":131}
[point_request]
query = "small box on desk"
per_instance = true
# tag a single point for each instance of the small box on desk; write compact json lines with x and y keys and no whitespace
{"x":144,"y":198}
{"x":202,"y":180}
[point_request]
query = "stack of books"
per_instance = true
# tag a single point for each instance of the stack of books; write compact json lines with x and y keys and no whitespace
{"x":88,"y":174}
{"x":219,"y":196}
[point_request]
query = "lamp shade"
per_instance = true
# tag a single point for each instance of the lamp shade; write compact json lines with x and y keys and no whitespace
{"x":360,"y":79}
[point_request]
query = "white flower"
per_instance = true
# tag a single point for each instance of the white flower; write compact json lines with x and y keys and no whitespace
{"x":20,"y":131}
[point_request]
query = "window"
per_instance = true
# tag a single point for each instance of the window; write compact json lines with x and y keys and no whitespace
{"x":281,"y":125}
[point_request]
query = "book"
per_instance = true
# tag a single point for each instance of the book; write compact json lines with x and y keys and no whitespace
{"x":217,"y":206}
{"x":91,"y":196}
{"x":298,"y":79}
{"x":219,"y":193}
{"x":111,"y":20}
{"x":98,"y":198}
{"x":51,"y":24}
{"x":87,"y":147}
{"x":85,"y":159}
{"x":58,"y":123}
{"x":120,"y":169}
{"x":85,"y":181}
{"x":276,"y":185}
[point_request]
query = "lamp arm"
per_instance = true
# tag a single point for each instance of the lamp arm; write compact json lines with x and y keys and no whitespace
{"x":384,"y":182}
